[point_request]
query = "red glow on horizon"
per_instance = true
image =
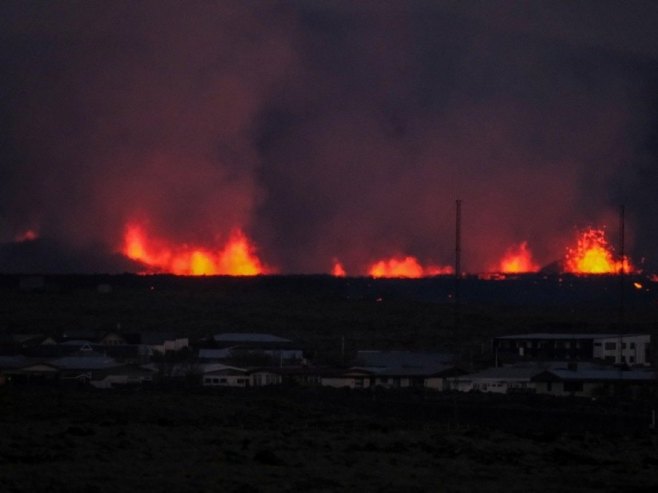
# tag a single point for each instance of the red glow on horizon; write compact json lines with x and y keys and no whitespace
{"x":236,"y":258}
{"x":405,"y":267}
{"x":338,"y":270}
{"x":27,"y":235}
{"x":518,"y":260}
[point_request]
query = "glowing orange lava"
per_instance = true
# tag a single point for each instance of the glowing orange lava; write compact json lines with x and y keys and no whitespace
{"x":405,"y":267}
{"x":593,"y":255}
{"x":517,"y":260}
{"x":236,"y":258}
{"x":338,"y":270}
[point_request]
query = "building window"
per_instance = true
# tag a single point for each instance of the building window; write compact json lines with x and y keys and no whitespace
{"x":632,"y":345}
{"x":609,"y":346}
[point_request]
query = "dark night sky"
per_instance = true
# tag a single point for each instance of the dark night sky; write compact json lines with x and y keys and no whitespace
{"x":327,"y":129}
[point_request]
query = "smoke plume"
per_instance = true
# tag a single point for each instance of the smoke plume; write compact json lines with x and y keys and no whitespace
{"x":327,"y":130}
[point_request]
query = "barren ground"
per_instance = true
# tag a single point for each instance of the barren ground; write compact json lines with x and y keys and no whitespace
{"x":296,"y":440}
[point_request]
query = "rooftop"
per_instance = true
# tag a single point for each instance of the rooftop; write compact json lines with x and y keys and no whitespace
{"x":248,"y":337}
{"x":84,"y":362}
{"x":403,"y":359}
{"x":505,"y":372}
{"x":546,"y":335}
{"x":609,"y":374}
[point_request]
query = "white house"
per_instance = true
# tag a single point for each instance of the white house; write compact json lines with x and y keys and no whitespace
{"x":263,"y":377}
{"x":164,"y":342}
{"x":501,"y":380}
{"x":630,"y":349}
{"x":225,"y":376}
{"x":353,"y":378}
{"x":122,"y":375}
{"x":389,"y":378}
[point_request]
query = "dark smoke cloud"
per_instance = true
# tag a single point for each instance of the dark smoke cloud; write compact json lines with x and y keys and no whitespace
{"x":137,"y":110}
{"x":51,"y":257}
{"x":330,"y":129}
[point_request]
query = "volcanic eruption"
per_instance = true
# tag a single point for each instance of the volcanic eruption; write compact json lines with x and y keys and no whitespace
{"x":203,"y":138}
{"x":518,"y":260}
{"x":237,"y":257}
{"x":405,"y":266}
{"x":592,"y":254}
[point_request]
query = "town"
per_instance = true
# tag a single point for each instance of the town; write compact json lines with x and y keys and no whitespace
{"x":583,"y":365}
{"x":298,"y":377}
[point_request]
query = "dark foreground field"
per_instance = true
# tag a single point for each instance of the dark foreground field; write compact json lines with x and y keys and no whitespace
{"x":297,"y":440}
{"x":322,"y":311}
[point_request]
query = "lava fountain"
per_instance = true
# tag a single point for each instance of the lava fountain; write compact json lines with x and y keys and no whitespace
{"x":517,"y":260}
{"x":338,"y":270}
{"x":406,"y":267}
{"x":592,"y":254}
{"x":236,"y":258}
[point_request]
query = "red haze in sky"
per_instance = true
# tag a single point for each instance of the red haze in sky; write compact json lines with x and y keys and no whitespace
{"x":327,"y":130}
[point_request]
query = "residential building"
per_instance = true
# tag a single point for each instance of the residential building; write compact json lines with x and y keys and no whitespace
{"x":164,"y":342}
{"x":226,"y":377}
{"x":629,"y":349}
{"x":502,"y":380}
{"x":594,"y":382}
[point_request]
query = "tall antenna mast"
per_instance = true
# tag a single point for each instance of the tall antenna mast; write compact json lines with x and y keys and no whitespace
{"x":622,"y":258}
{"x":458,"y":262}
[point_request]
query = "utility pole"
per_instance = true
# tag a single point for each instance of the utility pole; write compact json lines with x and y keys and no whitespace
{"x":622,"y":255}
{"x":458,"y":262}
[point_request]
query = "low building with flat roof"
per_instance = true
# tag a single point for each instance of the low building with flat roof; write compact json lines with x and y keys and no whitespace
{"x":629,"y":349}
